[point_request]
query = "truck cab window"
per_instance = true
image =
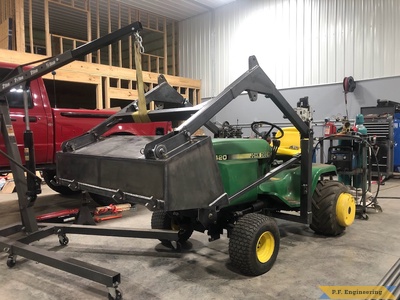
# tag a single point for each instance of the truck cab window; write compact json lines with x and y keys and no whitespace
{"x":15,"y":99}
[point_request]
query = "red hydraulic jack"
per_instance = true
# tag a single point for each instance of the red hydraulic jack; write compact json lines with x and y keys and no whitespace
{"x":110,"y":212}
{"x":62,"y":216}
{"x":99,"y":219}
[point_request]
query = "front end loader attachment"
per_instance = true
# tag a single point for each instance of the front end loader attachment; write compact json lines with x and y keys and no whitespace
{"x":177,"y":171}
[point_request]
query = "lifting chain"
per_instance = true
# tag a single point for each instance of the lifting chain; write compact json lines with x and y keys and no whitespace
{"x":140,"y":116}
{"x":139,"y":40}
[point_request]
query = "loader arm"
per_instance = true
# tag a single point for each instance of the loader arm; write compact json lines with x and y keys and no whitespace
{"x":254,"y":82}
{"x":157,"y":167}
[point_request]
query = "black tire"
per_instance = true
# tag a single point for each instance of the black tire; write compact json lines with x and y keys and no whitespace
{"x":48,"y":176}
{"x":11,"y":262}
{"x":248,"y":250}
{"x":63,"y":239}
{"x":162,"y":220}
{"x":324,"y":202}
{"x":102,"y":200}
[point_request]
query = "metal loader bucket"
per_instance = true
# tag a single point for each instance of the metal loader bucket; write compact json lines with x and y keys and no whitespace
{"x":188,"y":179}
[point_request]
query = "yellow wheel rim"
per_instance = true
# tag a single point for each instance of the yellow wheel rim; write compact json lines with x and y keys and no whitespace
{"x":265,"y":247}
{"x":345,"y":209}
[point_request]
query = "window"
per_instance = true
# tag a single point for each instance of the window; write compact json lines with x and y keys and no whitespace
{"x":15,"y":97}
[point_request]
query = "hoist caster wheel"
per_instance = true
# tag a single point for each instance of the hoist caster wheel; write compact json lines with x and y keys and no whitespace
{"x":63,"y":239}
{"x":177,"y":246}
{"x":118,"y":295}
{"x":365,"y":217}
{"x":11,"y":261}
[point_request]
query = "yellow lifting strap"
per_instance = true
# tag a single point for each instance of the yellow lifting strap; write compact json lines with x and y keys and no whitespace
{"x":141,"y":115}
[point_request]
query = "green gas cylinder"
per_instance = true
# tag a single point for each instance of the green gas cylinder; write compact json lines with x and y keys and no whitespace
{"x":361,"y":129}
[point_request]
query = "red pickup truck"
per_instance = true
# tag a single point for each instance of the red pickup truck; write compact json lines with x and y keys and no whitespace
{"x":52,"y":126}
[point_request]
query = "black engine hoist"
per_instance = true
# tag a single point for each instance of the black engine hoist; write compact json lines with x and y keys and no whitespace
{"x":28,"y":188}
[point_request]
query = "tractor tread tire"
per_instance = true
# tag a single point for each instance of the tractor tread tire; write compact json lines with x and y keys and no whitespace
{"x":48,"y":175}
{"x":102,"y":200}
{"x":162,"y":220}
{"x":324,"y":207}
{"x":243,"y":240}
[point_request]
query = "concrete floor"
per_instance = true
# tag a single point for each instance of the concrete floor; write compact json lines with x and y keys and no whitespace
{"x":202,"y":270}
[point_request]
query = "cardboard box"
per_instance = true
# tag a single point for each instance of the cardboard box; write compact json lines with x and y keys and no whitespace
{"x":9,"y":187}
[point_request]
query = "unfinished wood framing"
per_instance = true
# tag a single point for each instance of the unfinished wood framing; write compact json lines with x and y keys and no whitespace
{"x":89,"y":28}
{"x":130,"y":44}
{"x":4,"y":37}
{"x":7,"y":10}
{"x":99,"y":95}
{"x":90,"y":19}
{"x":47,"y":28}
{"x":109,"y":31}
{"x":19,"y":25}
{"x":106,"y":84}
{"x":98,"y":58}
{"x":30,"y":26}
{"x":7,"y":13}
{"x":67,"y":24}
{"x":173,"y":49}
{"x":119,"y":42}
{"x":165,"y":45}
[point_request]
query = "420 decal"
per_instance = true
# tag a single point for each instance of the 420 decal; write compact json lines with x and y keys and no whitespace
{"x":242,"y":156}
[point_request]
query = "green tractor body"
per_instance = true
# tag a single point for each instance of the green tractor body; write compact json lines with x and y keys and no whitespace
{"x":242,"y":161}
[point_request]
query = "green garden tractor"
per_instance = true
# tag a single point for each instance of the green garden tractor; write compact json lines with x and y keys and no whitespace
{"x":199,"y":183}
{"x":248,"y":219}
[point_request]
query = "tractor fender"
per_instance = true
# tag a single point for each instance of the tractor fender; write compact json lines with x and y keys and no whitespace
{"x":319,"y":170}
{"x":282,"y":186}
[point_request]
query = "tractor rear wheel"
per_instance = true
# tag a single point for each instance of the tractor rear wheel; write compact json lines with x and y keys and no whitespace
{"x":254,"y":244}
{"x":48,"y":176}
{"x":333,"y":208}
{"x":162,"y":220}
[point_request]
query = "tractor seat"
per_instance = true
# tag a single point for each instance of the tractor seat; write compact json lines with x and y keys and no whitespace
{"x":290,"y":142}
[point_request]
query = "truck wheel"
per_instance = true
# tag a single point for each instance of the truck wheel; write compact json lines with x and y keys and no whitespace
{"x":49,"y":175}
{"x":333,"y":208}
{"x":254,"y":244}
{"x":162,"y":220}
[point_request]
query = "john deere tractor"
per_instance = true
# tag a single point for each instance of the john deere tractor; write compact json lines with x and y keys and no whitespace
{"x":211,"y":184}
{"x":248,"y":217}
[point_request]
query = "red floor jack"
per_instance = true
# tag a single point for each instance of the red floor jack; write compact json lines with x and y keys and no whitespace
{"x":62,"y":216}
{"x":110,"y":212}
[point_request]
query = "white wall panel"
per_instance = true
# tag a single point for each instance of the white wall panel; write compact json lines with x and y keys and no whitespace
{"x":395,"y":28}
{"x":196,"y":57}
{"x":297,"y":42}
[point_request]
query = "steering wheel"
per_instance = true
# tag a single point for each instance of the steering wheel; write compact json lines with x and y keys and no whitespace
{"x":256,"y":124}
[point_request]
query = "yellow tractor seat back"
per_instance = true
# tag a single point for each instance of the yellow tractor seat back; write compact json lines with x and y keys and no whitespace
{"x":290,"y":142}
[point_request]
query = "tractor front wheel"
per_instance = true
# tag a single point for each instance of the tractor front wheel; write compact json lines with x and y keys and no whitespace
{"x":48,"y":176}
{"x":333,"y":208}
{"x":162,"y":220}
{"x":254,"y":244}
